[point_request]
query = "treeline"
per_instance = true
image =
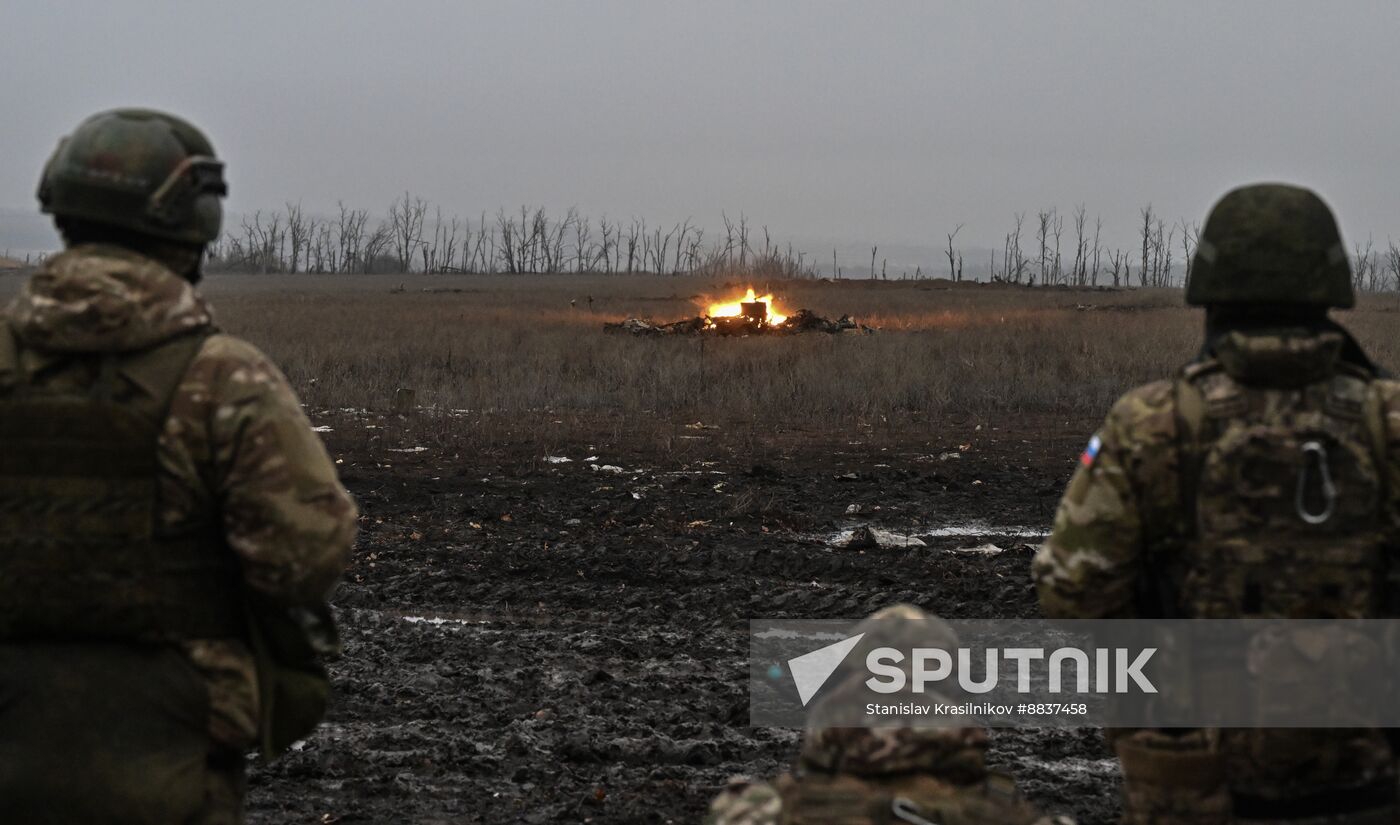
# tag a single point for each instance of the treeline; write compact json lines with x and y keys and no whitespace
{"x":416,"y":237}
{"x":1088,"y":262}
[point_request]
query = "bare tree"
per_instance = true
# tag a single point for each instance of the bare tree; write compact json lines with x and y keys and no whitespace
{"x":1190,"y":239}
{"x":406,"y":228}
{"x":1094,"y":275}
{"x":1147,"y":219}
{"x":376,"y":244}
{"x":297,"y":232}
{"x":1013,"y":261}
{"x":1118,"y":260}
{"x":1042,"y":236}
{"x":1364,"y":262}
{"x":1078,"y":274}
{"x":1392,"y":265}
{"x":953,"y":272}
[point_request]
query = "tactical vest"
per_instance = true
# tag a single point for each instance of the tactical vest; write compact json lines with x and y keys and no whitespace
{"x":913,"y":799}
{"x":82,"y":556}
{"x":1281,"y":505}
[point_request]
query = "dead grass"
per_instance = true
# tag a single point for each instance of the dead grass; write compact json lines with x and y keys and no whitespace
{"x":514,"y":346}
{"x":516,"y":354}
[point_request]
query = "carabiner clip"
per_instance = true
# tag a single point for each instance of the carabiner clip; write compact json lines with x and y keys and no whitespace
{"x":906,"y":811}
{"x":1313,"y":451}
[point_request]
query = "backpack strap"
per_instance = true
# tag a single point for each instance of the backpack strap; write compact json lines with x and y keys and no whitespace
{"x":159,"y":371}
{"x":1374,"y":415}
{"x":9,"y":358}
{"x":1190,"y":407}
{"x":1176,"y":521}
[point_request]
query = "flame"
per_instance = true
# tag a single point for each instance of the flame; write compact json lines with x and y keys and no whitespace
{"x":735,"y":309}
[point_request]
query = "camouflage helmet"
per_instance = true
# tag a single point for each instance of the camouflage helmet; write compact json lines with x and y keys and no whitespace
{"x":1270,"y":244}
{"x":140,"y":170}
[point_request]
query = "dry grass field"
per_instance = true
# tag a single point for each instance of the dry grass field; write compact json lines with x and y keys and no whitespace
{"x":532,"y":349}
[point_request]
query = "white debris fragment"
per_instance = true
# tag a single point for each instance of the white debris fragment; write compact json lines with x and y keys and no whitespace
{"x":591,"y":458}
{"x":605,"y":468}
{"x":863,"y":538}
{"x":969,"y":529}
{"x":951,"y":456}
{"x":321,"y":429}
{"x":438,"y":621}
{"x":988,"y":549}
{"x":978,"y":529}
{"x":408,"y":449}
{"x":558,"y":459}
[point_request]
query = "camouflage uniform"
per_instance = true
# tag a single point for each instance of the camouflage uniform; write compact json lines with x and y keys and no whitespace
{"x":852,"y":771}
{"x":1259,"y":481}
{"x":153,"y":729}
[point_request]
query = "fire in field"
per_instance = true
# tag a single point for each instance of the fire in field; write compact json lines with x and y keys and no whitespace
{"x":762,"y":309}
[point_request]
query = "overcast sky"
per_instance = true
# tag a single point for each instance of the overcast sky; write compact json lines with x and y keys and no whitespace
{"x":830,"y":122}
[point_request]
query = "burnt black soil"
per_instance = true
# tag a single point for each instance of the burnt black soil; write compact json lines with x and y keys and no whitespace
{"x":537,"y":642}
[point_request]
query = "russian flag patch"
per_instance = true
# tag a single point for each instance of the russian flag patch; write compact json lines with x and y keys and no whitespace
{"x":1091,"y":452}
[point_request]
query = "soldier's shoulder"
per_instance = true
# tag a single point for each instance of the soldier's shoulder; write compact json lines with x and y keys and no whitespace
{"x":1388,"y":389}
{"x":229,"y":367}
{"x":745,"y":801}
{"x":1145,"y":413}
{"x":230,"y":349}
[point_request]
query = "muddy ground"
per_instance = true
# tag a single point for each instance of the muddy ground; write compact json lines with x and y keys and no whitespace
{"x":528,"y":641}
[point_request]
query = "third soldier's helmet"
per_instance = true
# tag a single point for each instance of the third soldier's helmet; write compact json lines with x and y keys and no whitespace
{"x":143,"y":171}
{"x":1271,"y":244}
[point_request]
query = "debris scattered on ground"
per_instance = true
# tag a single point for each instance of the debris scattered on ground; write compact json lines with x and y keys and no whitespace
{"x":804,"y":320}
{"x":871,"y":538}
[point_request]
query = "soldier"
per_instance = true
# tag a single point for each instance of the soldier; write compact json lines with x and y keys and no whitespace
{"x":170,"y":527}
{"x":856,"y":770}
{"x":1259,"y":481}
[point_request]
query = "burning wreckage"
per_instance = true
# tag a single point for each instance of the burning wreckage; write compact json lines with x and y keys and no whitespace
{"x":750,"y":315}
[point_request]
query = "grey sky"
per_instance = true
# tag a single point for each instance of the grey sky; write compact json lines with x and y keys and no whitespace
{"x":830,"y":122}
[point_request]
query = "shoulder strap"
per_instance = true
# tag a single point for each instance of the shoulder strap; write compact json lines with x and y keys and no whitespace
{"x":1175,"y":520}
{"x":159,"y":371}
{"x":1190,"y":420}
{"x":1374,"y":415}
{"x":9,"y":357}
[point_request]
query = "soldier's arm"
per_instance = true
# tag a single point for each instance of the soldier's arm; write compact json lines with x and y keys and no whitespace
{"x":285,"y":513}
{"x":1089,"y":567}
{"x":1388,"y":398}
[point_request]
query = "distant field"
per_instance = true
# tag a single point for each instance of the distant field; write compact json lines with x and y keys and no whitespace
{"x":514,"y":346}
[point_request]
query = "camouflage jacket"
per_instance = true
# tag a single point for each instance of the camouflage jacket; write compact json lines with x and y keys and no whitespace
{"x":1124,"y":499}
{"x":236,"y":443}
